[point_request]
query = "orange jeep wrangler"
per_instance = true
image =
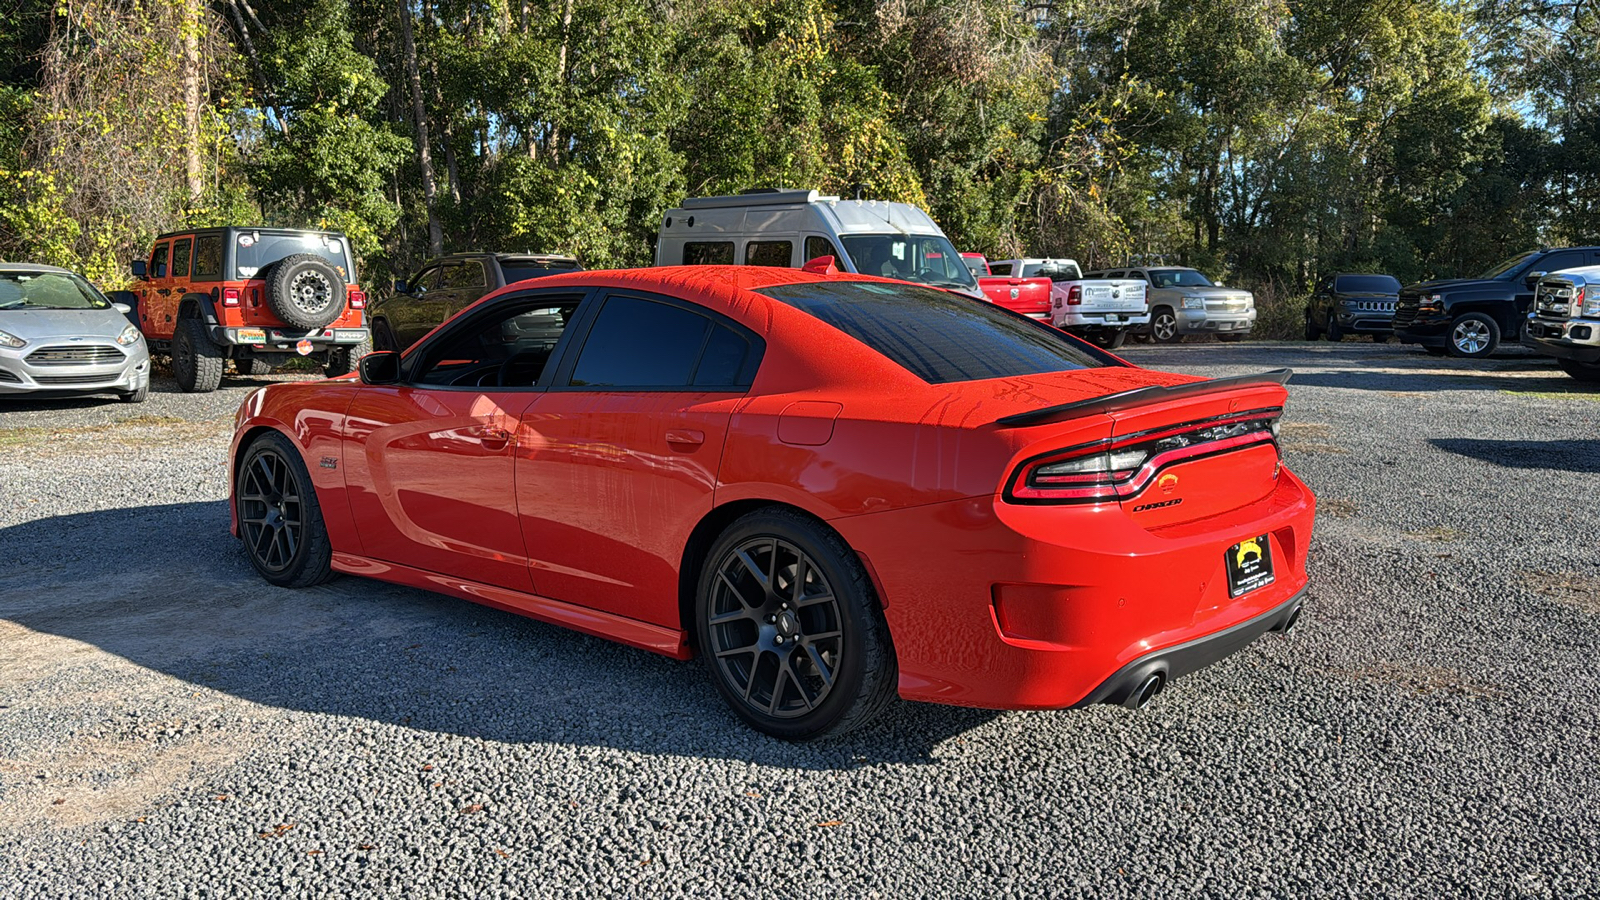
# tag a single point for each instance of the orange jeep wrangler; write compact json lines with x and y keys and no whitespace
{"x":258,"y":296}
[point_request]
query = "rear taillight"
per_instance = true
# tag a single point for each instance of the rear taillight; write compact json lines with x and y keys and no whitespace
{"x":1118,"y":468}
{"x":358,"y":300}
{"x":1075,"y":295}
{"x":230,"y":296}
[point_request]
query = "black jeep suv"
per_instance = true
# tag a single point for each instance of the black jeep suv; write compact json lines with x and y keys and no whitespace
{"x":449,"y":284}
{"x":1469,"y":317}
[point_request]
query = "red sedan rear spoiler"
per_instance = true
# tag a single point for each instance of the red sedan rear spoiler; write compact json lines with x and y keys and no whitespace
{"x":1145,"y":396}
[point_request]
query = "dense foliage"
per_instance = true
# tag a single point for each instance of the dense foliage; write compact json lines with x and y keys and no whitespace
{"x":1264,"y":141}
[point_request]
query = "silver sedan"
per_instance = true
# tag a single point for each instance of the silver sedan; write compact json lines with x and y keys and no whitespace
{"x":58,"y":335}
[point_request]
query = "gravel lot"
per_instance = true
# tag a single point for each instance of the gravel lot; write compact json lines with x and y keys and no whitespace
{"x":172,"y":726}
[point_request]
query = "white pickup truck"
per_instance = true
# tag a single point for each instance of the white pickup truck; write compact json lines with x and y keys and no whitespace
{"x":1099,"y":310}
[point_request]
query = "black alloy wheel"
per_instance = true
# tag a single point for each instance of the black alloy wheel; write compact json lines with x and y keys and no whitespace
{"x":790,"y":628}
{"x":280,"y":521}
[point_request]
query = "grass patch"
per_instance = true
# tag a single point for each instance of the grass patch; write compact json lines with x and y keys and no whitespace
{"x":1555,"y":395}
{"x":1421,"y":680}
{"x":1567,"y":588}
{"x":33,"y":434}
{"x":1336,"y":509}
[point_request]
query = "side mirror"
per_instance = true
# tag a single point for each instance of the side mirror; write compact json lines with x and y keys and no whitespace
{"x":400,"y":286}
{"x":1532,"y":279}
{"x":380,"y":367}
{"x":122,"y":308}
{"x":137,"y":267}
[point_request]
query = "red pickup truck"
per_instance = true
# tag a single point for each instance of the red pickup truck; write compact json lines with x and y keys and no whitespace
{"x":1029,"y":296}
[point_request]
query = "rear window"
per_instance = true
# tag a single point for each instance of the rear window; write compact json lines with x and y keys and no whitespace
{"x":521,"y":270}
{"x":938,"y":336}
{"x":1368,"y":284}
{"x":255,"y":250}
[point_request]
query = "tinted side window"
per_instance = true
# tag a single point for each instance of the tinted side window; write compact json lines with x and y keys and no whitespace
{"x":425,"y":281}
{"x":708,"y":253}
{"x":768,"y":253}
{"x":208,"y":258}
{"x":1555,"y":262}
{"x":466,"y":274}
{"x":641,"y":343}
{"x":509,"y":348}
{"x":180,"y":258}
{"x":820,"y":246}
{"x":1000,"y":268}
{"x":935,"y":335}
{"x":158,"y":261}
{"x":725,"y":360}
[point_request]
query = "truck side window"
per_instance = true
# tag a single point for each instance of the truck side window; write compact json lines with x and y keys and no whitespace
{"x":1555,"y":262}
{"x":180,"y":258}
{"x":821,"y":246}
{"x":768,"y":253}
{"x":708,"y":253}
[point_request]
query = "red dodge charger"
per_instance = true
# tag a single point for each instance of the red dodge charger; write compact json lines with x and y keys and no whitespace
{"x":834,"y":489}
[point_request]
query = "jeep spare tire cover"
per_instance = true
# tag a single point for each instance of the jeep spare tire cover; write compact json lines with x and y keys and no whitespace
{"x":305,"y":291}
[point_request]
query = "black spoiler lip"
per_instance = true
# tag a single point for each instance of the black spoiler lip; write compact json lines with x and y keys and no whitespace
{"x":1145,"y":396}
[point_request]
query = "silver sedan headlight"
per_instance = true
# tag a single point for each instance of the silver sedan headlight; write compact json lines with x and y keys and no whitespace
{"x":12,"y":341}
{"x":129,"y":335}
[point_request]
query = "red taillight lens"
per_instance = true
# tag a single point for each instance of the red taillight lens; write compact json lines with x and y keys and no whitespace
{"x":230,"y":296}
{"x":1075,"y":295}
{"x":358,"y":300}
{"x":1118,"y":468}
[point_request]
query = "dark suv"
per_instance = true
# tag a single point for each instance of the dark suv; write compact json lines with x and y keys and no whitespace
{"x":1351,"y":303}
{"x":449,"y":284}
{"x":1469,"y":317}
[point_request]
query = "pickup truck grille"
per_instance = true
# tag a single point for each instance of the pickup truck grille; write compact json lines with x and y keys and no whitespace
{"x":1229,"y":304}
{"x":1405,"y":312}
{"x":89,"y":355}
{"x":1556,"y":303}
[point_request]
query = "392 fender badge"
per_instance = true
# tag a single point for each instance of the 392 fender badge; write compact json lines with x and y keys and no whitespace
{"x":329,"y":462}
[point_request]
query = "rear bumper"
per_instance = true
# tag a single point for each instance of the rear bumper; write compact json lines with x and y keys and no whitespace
{"x":1049,"y":607}
{"x":1126,"y":319}
{"x":1574,"y":339}
{"x":274,"y":340}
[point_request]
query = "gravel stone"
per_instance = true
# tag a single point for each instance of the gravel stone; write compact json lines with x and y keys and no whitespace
{"x":170,"y":725}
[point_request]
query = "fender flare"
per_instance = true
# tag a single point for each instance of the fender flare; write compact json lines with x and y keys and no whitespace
{"x":199,"y":306}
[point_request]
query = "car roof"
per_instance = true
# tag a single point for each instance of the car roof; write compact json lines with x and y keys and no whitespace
{"x":222,"y":229}
{"x":33,"y":267}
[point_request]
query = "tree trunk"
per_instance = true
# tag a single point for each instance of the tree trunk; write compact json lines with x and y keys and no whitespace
{"x":424,"y":154}
{"x":194,"y":172}
{"x":553,"y":139}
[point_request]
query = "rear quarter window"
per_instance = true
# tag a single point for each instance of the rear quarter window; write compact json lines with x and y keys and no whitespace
{"x":938,"y":336}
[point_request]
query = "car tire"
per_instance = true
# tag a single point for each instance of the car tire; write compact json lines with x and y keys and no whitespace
{"x":1164,"y":326}
{"x":1473,"y":336}
{"x":306,"y":291}
{"x":1334,"y":332}
{"x":799,"y":660}
{"x":383,"y":336}
{"x":1435,"y":351}
{"x":138,"y":396}
{"x":1588,"y":373}
{"x":196,"y":361}
{"x":344,"y":360}
{"x":1108,"y":340}
{"x":1312,"y":331}
{"x":280,"y":521}
{"x":1380,"y":338}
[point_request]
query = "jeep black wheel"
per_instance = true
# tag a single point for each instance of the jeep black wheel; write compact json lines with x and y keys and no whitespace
{"x":280,"y":521}
{"x":383,"y":336}
{"x":196,"y":361}
{"x":253,"y":365}
{"x":790,"y":628}
{"x":1473,"y":336}
{"x":305,"y":291}
{"x":344,"y":360}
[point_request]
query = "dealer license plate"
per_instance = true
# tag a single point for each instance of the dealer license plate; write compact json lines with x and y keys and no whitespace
{"x":1249,"y":566}
{"x":251,"y":336}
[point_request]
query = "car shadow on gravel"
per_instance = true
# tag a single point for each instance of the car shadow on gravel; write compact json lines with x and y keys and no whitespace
{"x":1464,"y":380}
{"x":167,"y":588}
{"x":1582,"y":457}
